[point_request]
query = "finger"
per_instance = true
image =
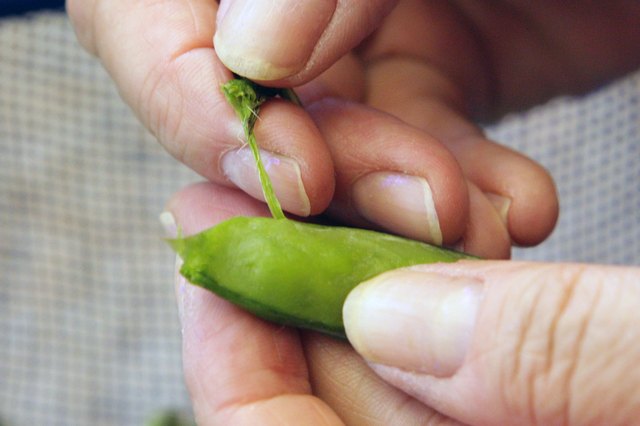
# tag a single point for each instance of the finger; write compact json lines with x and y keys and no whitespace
{"x":81,"y":14}
{"x":538,"y":343}
{"x":432,"y":103}
{"x":345,"y":382}
{"x":486,"y":235}
{"x":437,"y":85}
{"x":344,"y":79}
{"x":238,"y":369}
{"x":523,"y":191}
{"x":161,"y":56}
{"x":390,"y":175}
{"x":441,"y":35}
{"x":290,"y":42}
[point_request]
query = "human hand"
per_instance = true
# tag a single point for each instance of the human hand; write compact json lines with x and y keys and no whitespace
{"x":489,"y":343}
{"x":240,"y":369}
{"x":518,"y":343}
{"x":436,"y":66}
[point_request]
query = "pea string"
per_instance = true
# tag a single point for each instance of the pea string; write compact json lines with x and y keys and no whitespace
{"x":246,"y":97}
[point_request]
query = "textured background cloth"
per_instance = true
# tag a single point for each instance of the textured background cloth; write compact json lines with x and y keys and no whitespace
{"x":88,"y":326}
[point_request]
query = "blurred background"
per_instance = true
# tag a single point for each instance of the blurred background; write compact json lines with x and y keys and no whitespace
{"x":89,"y":333}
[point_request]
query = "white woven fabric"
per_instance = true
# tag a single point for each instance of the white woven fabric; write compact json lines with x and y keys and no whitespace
{"x":591,"y":146}
{"x":88,"y":327}
{"x":89,"y":333}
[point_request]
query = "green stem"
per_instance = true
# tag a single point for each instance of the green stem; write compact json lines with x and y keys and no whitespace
{"x":265,"y":181}
{"x":246,"y":97}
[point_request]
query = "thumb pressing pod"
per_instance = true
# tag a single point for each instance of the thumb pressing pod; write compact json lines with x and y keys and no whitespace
{"x":294,"y":273}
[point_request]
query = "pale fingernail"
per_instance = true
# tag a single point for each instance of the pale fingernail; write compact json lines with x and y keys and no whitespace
{"x":169,"y":225}
{"x":240,"y":167}
{"x":413,"y":320}
{"x":501,"y":204}
{"x":168,"y":222}
{"x":400,"y":203}
{"x":269,"y":39}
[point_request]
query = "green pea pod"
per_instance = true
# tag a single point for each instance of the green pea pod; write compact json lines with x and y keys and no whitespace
{"x":294,"y":273}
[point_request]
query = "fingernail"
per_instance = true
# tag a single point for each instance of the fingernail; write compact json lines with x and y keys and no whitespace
{"x":269,"y":39}
{"x":416,"y":321}
{"x":169,"y":225}
{"x":501,"y":204}
{"x":239,"y":166}
{"x":168,"y":222}
{"x":400,"y":203}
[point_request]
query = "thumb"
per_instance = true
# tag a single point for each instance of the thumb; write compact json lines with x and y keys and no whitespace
{"x":271,"y":40}
{"x":506,"y":342}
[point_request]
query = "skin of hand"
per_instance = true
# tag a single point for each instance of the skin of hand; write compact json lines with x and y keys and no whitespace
{"x":408,"y":79}
{"x":392,"y":90}
{"x":475,"y":342}
{"x":496,"y":342}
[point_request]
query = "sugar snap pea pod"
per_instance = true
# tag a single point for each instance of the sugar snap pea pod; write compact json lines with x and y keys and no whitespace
{"x":295,"y":273}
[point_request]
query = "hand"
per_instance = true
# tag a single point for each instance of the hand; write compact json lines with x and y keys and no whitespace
{"x":241,"y":370}
{"x":434,"y":66}
{"x":480,"y":342}
{"x":491,"y":343}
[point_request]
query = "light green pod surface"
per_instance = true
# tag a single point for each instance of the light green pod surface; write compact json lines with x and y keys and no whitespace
{"x":295,"y":273}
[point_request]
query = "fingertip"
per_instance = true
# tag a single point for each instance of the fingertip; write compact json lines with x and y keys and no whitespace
{"x":535,"y":208}
{"x":393,"y":175}
{"x":452,"y":200}
{"x":265,"y":40}
{"x":486,"y":235}
{"x":288,"y":130}
{"x":523,"y":191}
{"x":416,"y":321}
{"x":204,"y":204}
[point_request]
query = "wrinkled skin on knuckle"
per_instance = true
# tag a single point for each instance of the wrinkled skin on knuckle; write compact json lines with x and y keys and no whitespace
{"x":161,"y":105}
{"x":560,"y":360}
{"x":540,"y":336}
{"x":605,"y":386}
{"x":154,"y":106}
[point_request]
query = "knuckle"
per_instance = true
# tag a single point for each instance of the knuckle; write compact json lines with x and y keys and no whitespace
{"x":184,"y":122}
{"x":160,"y":106}
{"x":555,"y":313}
